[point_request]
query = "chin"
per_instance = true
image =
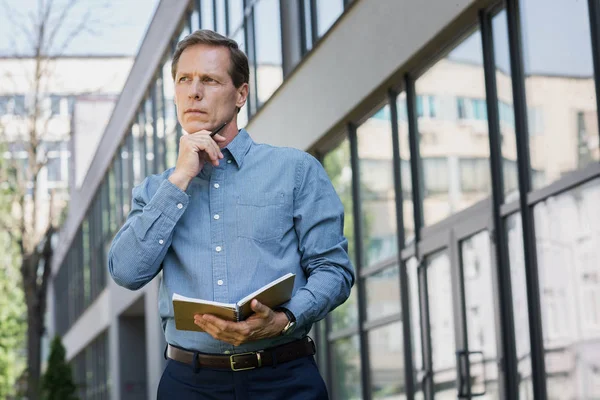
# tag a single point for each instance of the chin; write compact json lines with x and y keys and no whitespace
{"x":195,"y":126}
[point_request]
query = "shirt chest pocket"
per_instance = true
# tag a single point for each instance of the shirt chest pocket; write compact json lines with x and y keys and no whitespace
{"x":261,"y":216}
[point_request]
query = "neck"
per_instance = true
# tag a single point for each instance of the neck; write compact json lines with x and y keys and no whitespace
{"x":229,"y":133}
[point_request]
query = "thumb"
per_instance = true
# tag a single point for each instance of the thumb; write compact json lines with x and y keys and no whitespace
{"x":260,"y":309}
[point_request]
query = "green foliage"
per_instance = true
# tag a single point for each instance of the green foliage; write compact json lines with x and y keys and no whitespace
{"x":12,"y":301}
{"x":57,"y":383}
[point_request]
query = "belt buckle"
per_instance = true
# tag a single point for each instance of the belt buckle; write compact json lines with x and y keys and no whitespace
{"x":232,"y":361}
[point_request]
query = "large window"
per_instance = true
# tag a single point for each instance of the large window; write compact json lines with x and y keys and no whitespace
{"x":345,"y":350}
{"x":514,"y":232}
{"x":90,"y":370}
{"x":560,"y":90}
{"x":567,"y":239}
{"x":452,"y":124}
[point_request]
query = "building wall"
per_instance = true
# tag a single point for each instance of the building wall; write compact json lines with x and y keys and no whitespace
{"x":419,"y":75}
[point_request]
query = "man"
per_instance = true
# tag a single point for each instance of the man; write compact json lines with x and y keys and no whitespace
{"x":231,"y":217}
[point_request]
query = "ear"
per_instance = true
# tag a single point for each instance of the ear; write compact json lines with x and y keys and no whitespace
{"x":242,"y":95}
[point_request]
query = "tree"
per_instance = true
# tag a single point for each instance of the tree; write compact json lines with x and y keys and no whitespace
{"x":34,"y":214}
{"x":58,"y":380}
{"x":12,"y":307}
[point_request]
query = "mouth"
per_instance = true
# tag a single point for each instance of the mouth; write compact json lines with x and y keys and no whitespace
{"x":194,"y":111}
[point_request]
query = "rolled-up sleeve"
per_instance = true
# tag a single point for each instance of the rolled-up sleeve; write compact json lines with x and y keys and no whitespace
{"x":319,"y":224}
{"x":138,"y":249}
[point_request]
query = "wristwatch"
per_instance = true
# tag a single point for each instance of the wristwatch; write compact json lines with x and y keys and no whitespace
{"x":291,"y":321}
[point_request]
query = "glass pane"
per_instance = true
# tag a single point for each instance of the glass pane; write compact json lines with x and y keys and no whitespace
{"x":514,"y":229}
{"x":268,"y":48}
{"x":387,"y":362}
{"x":567,"y":230}
{"x":160,"y":123}
{"x":221,"y":20}
{"x":453,"y":129}
{"x":476,"y":260}
{"x":415,"y":321}
{"x":441,"y":322}
{"x":383,"y":293}
{"x":208,"y":18}
{"x":170,"y":115}
{"x":149,"y":129}
{"x":346,"y":368}
{"x":378,"y":197}
{"x":337,"y":166}
{"x":236,"y":15}
{"x":307,"y":24}
{"x":127,"y":165}
{"x":327,"y":13}
{"x":405,"y":175}
{"x":561,"y":97}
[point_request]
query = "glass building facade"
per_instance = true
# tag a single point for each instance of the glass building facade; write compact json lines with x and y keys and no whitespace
{"x":471,"y":184}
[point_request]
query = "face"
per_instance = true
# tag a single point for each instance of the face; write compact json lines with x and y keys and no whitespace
{"x":205,"y":95}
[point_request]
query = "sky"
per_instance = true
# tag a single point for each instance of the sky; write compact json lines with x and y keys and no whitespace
{"x":556,"y":39}
{"x":119,"y":25}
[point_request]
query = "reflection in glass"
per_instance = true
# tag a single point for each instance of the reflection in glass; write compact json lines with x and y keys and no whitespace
{"x":378,"y":197}
{"x":337,"y":166}
{"x":514,"y":230}
{"x":170,"y":115}
{"x":405,"y":176}
{"x":346,"y":368}
{"x":221,"y":18}
{"x":138,"y":158}
{"x":207,"y":15}
{"x":561,"y":96}
{"x":441,"y":322}
{"x":149,"y":129}
{"x":268,"y":48}
{"x":383,"y":293}
{"x":476,"y":260}
{"x":236,"y":15}
{"x":415,"y":321}
{"x":387,"y":362}
{"x":327,"y":13}
{"x":567,"y":230}
{"x":453,"y":130}
{"x":160,"y":123}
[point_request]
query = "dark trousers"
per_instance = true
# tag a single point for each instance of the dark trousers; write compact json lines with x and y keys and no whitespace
{"x":295,"y":380}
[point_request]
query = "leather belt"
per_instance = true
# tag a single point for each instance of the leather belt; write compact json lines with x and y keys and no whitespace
{"x":245,"y":361}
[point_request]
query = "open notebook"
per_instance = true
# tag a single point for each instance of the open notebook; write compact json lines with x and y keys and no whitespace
{"x":272,"y":295}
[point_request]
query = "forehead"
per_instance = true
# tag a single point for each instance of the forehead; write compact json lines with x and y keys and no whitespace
{"x":201,"y":58}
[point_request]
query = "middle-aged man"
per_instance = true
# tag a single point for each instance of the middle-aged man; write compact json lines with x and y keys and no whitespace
{"x":230,"y":217}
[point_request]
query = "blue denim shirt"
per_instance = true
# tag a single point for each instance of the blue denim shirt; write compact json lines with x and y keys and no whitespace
{"x":263,"y":212}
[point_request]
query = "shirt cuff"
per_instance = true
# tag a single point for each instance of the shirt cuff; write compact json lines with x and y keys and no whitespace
{"x":170,"y":200}
{"x":302,"y":306}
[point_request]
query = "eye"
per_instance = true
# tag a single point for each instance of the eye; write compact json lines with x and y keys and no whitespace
{"x":182,"y":79}
{"x":208,"y":79}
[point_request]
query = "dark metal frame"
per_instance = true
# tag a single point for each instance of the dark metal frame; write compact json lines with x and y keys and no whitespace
{"x":361,"y":295}
{"x":523,"y":162}
{"x":409,"y":379}
{"x":508,"y":368}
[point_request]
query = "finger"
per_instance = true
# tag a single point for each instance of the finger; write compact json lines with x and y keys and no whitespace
{"x":219,"y":138}
{"x":260,"y":309}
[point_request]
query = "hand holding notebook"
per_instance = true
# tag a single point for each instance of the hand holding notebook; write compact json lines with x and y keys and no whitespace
{"x":271,"y":295}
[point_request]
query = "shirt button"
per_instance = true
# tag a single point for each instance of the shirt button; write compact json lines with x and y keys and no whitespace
{"x":216,"y":216}
{"x":228,"y":161}
{"x":218,"y":248}
{"x":180,"y":206}
{"x":161,"y":241}
{"x":216,"y":185}
{"x":220,"y":282}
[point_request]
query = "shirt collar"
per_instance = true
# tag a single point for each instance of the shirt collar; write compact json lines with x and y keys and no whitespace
{"x":239,"y":146}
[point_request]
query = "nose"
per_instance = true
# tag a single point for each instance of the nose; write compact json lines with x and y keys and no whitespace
{"x":196,"y":90}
